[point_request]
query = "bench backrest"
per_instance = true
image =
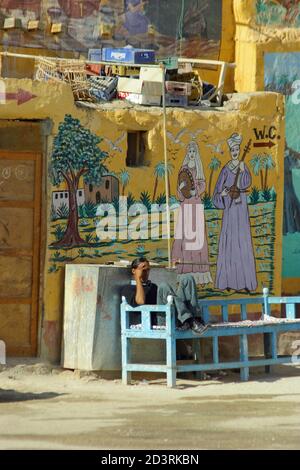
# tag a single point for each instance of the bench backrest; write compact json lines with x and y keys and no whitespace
{"x":263,"y":304}
{"x":289,"y":302}
{"x":146,"y":311}
{"x":224,"y":307}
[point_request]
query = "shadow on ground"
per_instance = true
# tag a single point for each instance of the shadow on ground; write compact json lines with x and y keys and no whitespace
{"x":10,"y":396}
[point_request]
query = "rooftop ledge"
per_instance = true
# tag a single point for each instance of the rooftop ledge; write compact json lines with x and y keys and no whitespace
{"x":58,"y":98}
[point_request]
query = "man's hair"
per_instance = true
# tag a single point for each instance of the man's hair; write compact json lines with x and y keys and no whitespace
{"x":135,"y":263}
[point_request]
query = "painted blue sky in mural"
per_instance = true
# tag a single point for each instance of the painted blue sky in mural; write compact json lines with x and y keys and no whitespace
{"x":281,"y":71}
{"x":277,"y":64}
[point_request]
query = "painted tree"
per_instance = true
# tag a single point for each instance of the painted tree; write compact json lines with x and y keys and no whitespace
{"x":269,"y":165}
{"x":257,"y":166}
{"x":124,"y":178}
{"x":75,"y":155}
{"x":160,"y":173}
{"x":214,"y":165}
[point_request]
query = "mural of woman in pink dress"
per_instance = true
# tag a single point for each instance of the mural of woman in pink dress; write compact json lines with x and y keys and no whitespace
{"x":236,"y":264}
{"x":190,"y":260}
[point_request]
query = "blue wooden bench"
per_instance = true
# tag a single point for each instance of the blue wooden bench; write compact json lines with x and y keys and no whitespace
{"x":266,"y":325}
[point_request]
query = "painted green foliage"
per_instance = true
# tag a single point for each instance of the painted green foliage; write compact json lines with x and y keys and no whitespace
{"x":160,"y":174}
{"x":278,"y":12}
{"x":76,"y":154}
{"x":262,"y":165}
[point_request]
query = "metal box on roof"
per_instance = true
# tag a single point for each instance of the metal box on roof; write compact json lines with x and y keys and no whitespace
{"x":128,"y":55}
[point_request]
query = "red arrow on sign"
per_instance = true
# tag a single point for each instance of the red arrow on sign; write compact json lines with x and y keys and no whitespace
{"x":22,"y":96}
{"x":264,"y":144}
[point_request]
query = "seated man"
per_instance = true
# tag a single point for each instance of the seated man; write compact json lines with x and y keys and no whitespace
{"x":142,"y":291}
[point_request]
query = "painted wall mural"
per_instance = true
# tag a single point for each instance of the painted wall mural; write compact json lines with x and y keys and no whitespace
{"x":236,"y":265}
{"x":191,"y":188}
{"x":278,"y":12}
{"x":281,"y":74}
{"x":232,"y":177}
{"x":190,"y":28}
{"x":76,"y":155}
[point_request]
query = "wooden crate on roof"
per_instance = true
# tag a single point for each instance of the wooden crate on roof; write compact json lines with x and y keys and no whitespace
{"x":68,"y":71}
{"x":46,"y":70}
{"x":81,"y":90}
{"x":71,"y":69}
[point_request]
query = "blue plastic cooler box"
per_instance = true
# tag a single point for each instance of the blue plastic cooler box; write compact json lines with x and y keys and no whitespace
{"x":128,"y":55}
{"x":95,"y":55}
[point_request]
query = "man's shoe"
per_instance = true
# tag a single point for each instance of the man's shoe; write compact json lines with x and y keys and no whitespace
{"x":184,"y":326}
{"x":198,"y":327}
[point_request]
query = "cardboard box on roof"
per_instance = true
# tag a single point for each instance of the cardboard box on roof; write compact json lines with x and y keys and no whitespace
{"x":151,"y":74}
{"x":139,"y":98}
{"x":138,"y":91}
{"x":138,"y":86}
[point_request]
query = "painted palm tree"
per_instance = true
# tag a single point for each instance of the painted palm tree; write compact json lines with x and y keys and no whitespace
{"x":124,"y":177}
{"x":257,"y":165}
{"x":269,"y":165}
{"x":214,"y":165}
{"x":160,"y":173}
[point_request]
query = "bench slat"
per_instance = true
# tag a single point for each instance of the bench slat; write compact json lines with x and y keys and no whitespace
{"x":146,"y":321}
{"x":225,"y":313}
{"x":290,"y":311}
{"x":244,"y":311}
{"x":206,"y":314}
{"x":234,"y":365}
{"x":284,"y":300}
{"x":246,"y":301}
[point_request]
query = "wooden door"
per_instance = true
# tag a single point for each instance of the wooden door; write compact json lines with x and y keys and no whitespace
{"x":20,"y":204}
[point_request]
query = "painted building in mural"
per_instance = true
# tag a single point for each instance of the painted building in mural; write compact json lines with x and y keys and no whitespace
{"x":106,"y":191}
{"x":61,"y":187}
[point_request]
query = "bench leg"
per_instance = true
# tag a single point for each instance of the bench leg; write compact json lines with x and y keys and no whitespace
{"x":270,"y":348}
{"x":267,"y":350}
{"x":199,"y":374}
{"x":126,"y":356}
{"x":244,"y":357}
{"x":171,"y":361}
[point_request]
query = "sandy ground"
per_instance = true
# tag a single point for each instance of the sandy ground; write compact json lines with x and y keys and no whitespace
{"x":42,"y":407}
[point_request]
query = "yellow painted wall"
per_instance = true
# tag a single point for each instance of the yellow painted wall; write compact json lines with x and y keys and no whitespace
{"x":253,"y":41}
{"x":227,"y":52}
{"x":210,"y":129}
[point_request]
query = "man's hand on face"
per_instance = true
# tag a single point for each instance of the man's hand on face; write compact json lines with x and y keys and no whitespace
{"x":139,"y":272}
